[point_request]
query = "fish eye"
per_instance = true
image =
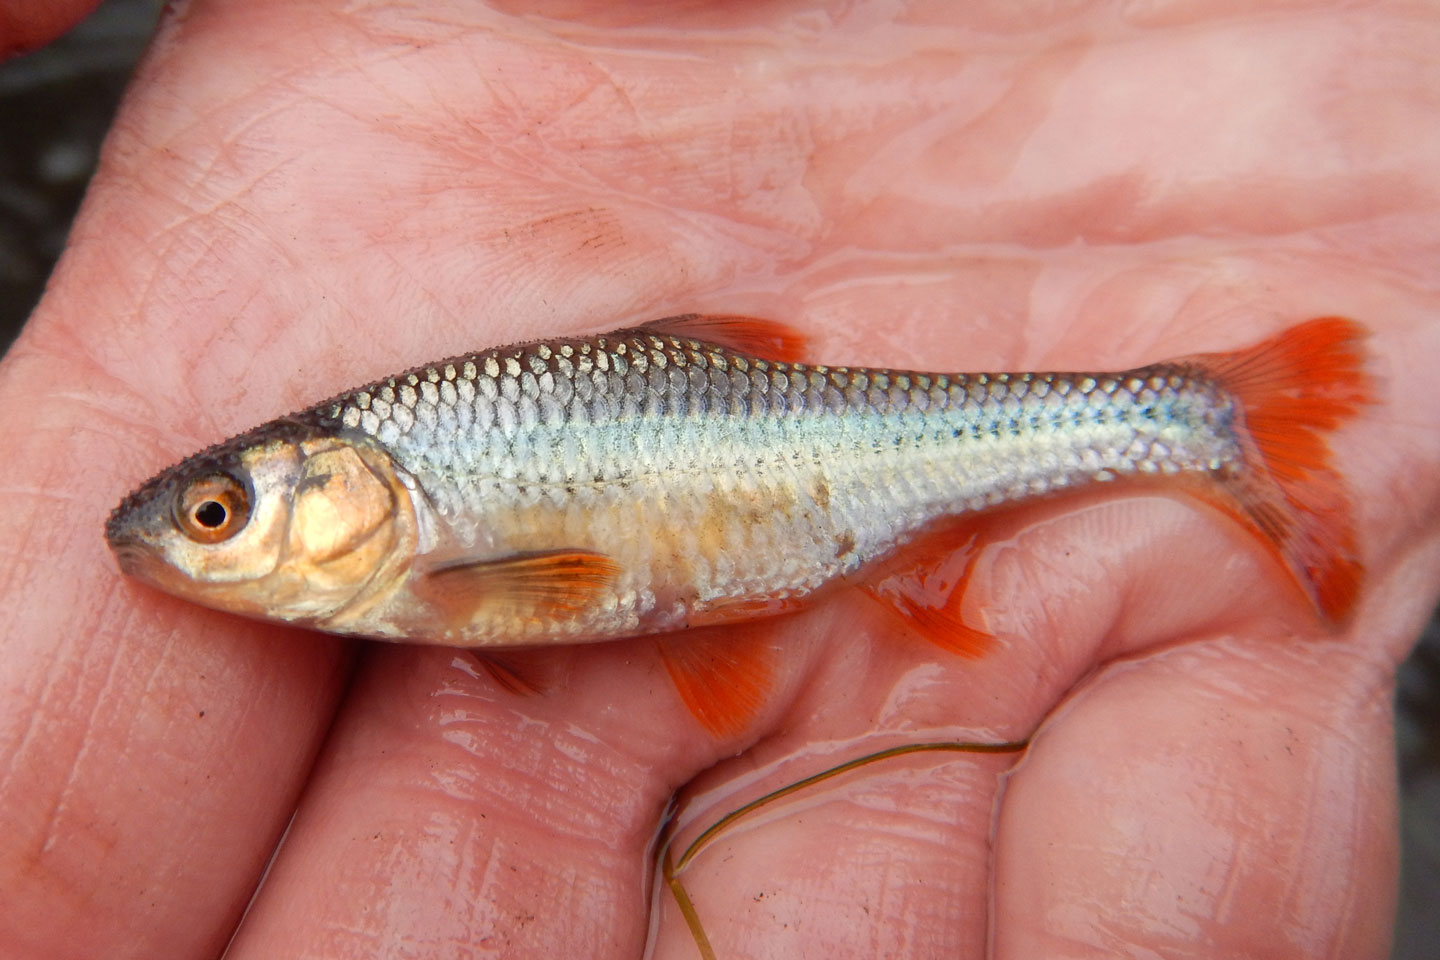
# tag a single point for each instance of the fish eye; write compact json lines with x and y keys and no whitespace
{"x":212,"y":508}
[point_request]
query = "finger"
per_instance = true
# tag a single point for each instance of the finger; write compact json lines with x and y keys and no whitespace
{"x":149,"y":752}
{"x":890,"y":859}
{"x":28,"y":24}
{"x":1226,"y":799}
{"x":450,"y":814}
{"x":894,"y":857}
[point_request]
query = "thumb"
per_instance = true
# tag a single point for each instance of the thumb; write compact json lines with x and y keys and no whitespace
{"x":27,"y":25}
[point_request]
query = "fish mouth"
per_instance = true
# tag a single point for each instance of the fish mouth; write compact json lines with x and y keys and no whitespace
{"x":143,"y":563}
{"x":134,"y":558}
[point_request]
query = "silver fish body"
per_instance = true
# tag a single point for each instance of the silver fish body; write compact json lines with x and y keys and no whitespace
{"x":713,"y":478}
{"x":654,"y":478}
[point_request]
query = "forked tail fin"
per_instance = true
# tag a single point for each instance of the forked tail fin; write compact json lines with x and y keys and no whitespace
{"x":1294,"y":389}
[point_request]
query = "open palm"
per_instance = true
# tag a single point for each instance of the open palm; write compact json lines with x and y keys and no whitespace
{"x":299,"y":196}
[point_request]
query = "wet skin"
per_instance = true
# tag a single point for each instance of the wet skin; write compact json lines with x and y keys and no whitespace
{"x":296,"y":198}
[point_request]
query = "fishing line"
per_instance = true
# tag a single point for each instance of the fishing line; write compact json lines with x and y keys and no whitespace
{"x":670,"y":868}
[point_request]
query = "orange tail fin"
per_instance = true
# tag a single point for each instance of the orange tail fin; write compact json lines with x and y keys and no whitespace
{"x":1293,"y":390}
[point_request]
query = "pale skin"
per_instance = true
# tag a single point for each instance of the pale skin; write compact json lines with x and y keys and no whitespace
{"x":298,"y":196}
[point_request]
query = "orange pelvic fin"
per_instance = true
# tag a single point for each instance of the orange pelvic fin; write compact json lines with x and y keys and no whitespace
{"x":505,"y":675}
{"x":924,"y":585}
{"x":549,"y":585}
{"x":722,"y":676}
{"x":1294,"y":389}
{"x":765,"y":339}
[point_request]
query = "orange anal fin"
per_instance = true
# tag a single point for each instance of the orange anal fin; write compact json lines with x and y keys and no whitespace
{"x":552,"y":585}
{"x":923,"y":587}
{"x":723,"y":677}
{"x":1294,"y":389}
{"x":766,"y":339}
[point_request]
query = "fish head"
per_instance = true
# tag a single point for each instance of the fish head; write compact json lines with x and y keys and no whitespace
{"x":282,"y":524}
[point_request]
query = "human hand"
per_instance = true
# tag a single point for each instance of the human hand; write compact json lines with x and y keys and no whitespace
{"x":297,"y":198}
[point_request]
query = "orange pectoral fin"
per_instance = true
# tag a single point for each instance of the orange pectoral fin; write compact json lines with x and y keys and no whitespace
{"x":723,"y":676}
{"x":766,"y":339}
{"x":923,"y":587}
{"x":553,"y":585}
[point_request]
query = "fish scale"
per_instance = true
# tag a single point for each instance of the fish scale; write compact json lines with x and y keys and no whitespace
{"x":629,"y":444}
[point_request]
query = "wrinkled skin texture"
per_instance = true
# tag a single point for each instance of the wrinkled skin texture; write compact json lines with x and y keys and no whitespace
{"x":297,"y":197}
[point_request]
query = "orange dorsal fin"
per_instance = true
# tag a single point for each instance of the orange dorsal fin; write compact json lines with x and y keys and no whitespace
{"x":923,"y":587}
{"x":551,"y":585}
{"x":765,"y":339}
{"x":723,"y":676}
{"x":1294,"y":389}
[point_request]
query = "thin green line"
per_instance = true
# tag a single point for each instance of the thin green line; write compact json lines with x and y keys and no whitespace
{"x":687,"y":909}
{"x":714,"y":829}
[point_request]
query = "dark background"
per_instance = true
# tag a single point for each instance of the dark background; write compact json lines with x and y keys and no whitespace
{"x":55,"y":106}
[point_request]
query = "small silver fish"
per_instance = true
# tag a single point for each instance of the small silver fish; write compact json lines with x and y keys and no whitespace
{"x":689,"y":472}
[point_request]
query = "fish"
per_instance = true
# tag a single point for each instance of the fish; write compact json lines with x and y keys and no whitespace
{"x":693,"y":471}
